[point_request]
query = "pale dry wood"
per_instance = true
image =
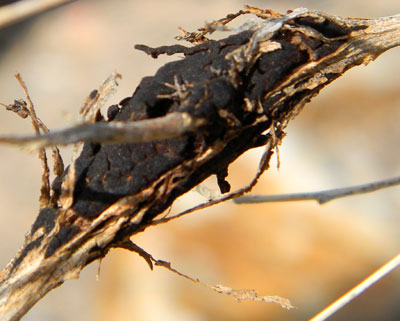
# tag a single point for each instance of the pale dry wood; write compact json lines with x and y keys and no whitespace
{"x":98,"y":97}
{"x":171,"y":125}
{"x":45,"y":189}
{"x":357,"y":290}
{"x":36,"y":271}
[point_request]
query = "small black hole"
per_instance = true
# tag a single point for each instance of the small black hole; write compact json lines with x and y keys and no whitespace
{"x":159,"y":109}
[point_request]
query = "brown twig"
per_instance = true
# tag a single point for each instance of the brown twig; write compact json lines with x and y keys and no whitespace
{"x":37,"y":125}
{"x":237,"y":294}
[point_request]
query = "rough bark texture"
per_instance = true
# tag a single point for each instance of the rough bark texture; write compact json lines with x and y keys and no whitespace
{"x":244,"y":88}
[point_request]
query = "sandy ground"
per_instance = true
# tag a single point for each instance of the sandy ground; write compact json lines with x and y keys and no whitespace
{"x":308,"y":253}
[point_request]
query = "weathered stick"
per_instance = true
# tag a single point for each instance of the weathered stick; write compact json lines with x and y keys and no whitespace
{"x":244,"y":89}
{"x":321,"y":197}
{"x":171,"y":125}
{"x":20,"y":10}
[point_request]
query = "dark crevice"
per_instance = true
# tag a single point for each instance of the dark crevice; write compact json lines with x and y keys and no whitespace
{"x":159,"y":109}
{"x":327,"y":28}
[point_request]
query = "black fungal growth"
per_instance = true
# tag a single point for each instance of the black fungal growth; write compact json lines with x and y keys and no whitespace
{"x":234,"y":104}
{"x":221,"y":99}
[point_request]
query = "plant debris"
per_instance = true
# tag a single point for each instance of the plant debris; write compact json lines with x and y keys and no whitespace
{"x":227,"y":96}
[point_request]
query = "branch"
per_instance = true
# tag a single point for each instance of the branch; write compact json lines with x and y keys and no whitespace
{"x":20,"y":10}
{"x":171,"y":125}
{"x":357,"y":290}
{"x":321,"y":196}
{"x":240,"y":92}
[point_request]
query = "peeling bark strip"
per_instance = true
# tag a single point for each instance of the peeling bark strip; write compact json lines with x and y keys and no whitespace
{"x":240,"y":92}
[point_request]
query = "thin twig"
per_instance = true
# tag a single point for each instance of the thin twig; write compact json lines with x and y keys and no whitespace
{"x":98,"y":97}
{"x":237,"y":294}
{"x":356,"y":291}
{"x":262,"y":167}
{"x":321,"y":196}
{"x":23,"y":9}
{"x":45,"y":188}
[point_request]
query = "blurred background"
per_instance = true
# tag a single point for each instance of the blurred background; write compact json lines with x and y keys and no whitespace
{"x":302,"y":251}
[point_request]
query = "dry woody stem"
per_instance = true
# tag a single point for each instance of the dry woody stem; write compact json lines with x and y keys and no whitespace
{"x":321,"y":197}
{"x":358,"y":289}
{"x":23,"y":9}
{"x":189,"y":121}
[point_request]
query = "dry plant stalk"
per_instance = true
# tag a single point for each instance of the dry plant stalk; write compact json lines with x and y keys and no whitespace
{"x":358,"y":289}
{"x":22,"y":9}
{"x":321,"y":197}
{"x":227,"y":96}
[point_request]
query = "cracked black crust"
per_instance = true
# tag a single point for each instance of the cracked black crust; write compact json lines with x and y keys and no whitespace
{"x":108,"y":172}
